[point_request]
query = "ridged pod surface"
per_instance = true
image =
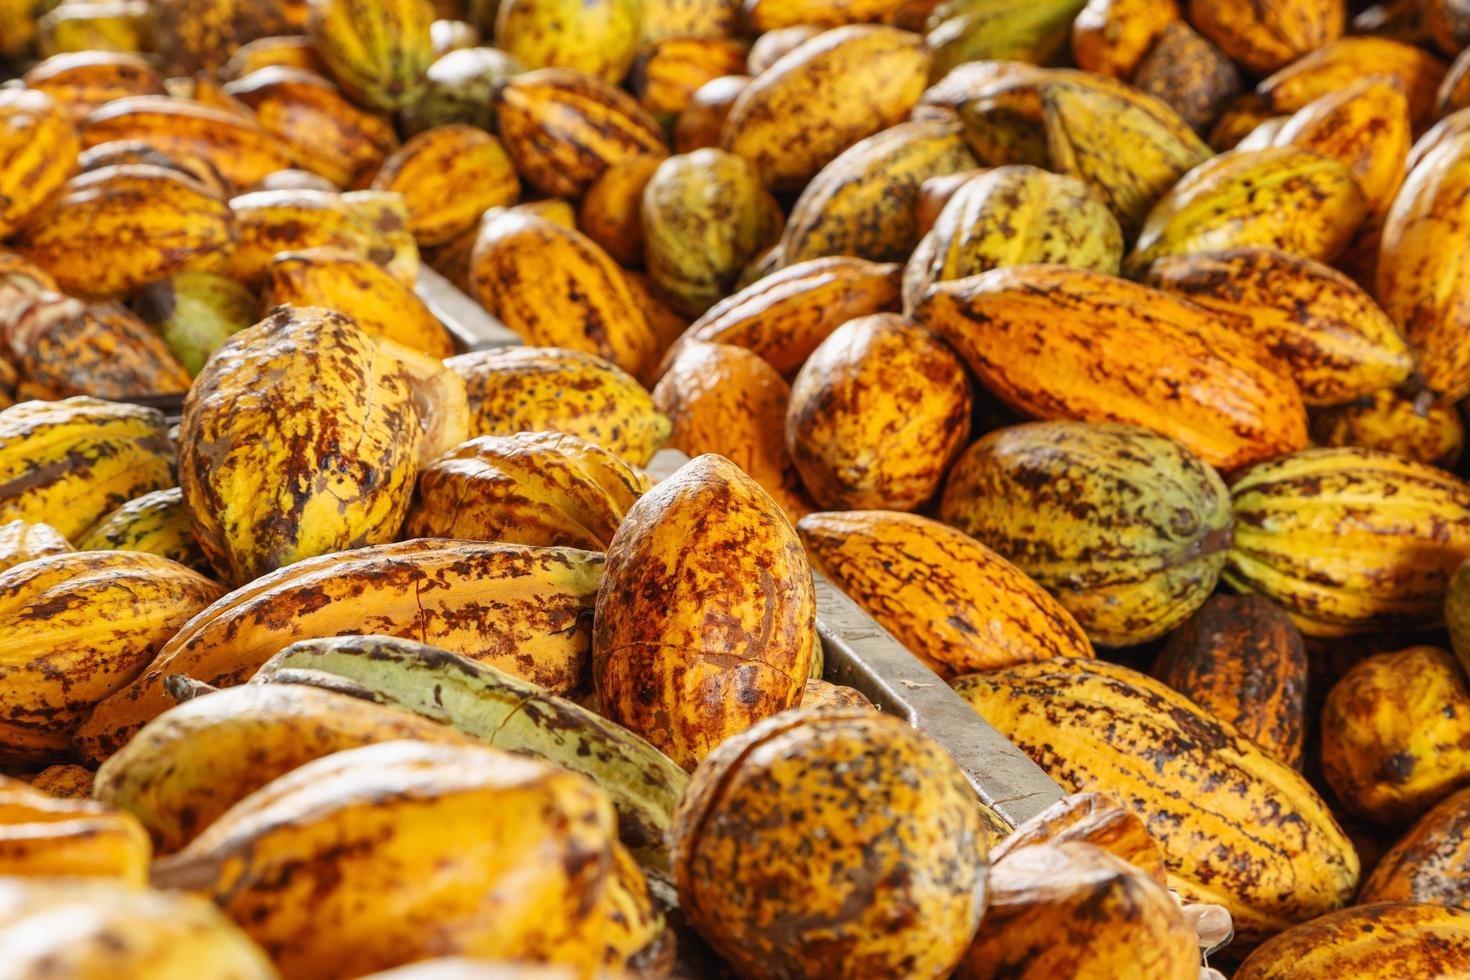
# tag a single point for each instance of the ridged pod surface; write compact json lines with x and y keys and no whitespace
{"x":1429,"y":862}
{"x":64,"y":348}
{"x":564,"y":127}
{"x":271,"y":222}
{"x":1415,"y":425}
{"x":1284,"y":197}
{"x":1237,"y":826}
{"x":725,"y":399}
{"x":1339,"y":64}
{"x":83,"y":80}
{"x":1241,"y":659}
{"x":70,"y":462}
{"x":79,"y":627}
{"x":1382,"y":941}
{"x":822,"y":97}
{"x":118,"y":931}
{"x":302,"y":436}
{"x":540,"y":488}
{"x":1110,"y":37}
{"x":551,"y":389}
{"x":156,"y":523}
{"x":952,"y":601}
{"x":1066,"y":343}
{"x":526,"y":610}
{"x":377,"y":50}
{"x":1263,"y":37}
{"x":1365,"y":126}
{"x":20,"y":541}
{"x":522,"y":856}
{"x":600,"y":37}
{"x":115,"y":230}
{"x":1349,"y":540}
{"x":449,"y":176}
{"x":862,"y":203}
{"x":1072,"y":909}
{"x":877,"y":793}
{"x":1396,"y":734}
{"x":1421,"y":281}
{"x":554,"y":286}
{"x":46,"y":837}
{"x":877,"y":414}
{"x":705,"y":215}
{"x":1324,"y":328}
{"x":326,"y":132}
{"x":1032,"y":31}
{"x":1091,"y":818}
{"x":1014,"y":215}
{"x":784,"y":316}
{"x":38,"y":152}
{"x":195,"y":761}
{"x":360,"y":289}
{"x":666,"y":669}
{"x":236,"y":145}
{"x":1126,"y":528}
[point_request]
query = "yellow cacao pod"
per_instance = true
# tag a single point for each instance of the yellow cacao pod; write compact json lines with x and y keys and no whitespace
{"x":1381,"y":941}
{"x":20,"y":541}
{"x":378,"y":50}
{"x":599,"y":37}
{"x":449,"y":176}
{"x":43,"y":836}
{"x":38,"y":152}
{"x":1265,"y":36}
{"x":1414,"y":425}
{"x":156,"y":523}
{"x":82,"y":81}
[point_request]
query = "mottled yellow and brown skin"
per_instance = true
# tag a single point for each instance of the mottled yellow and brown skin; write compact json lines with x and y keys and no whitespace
{"x":117,"y":931}
{"x":820,"y":694}
{"x":1237,"y":826}
{"x":551,"y":389}
{"x":704,"y":216}
{"x":120,"y":152}
{"x":951,"y":600}
{"x":877,"y":414}
{"x":69,"y":463}
{"x":555,"y":287}
{"x":271,"y":222}
{"x":326,"y":132}
{"x":563,"y":128}
{"x":286,"y":50}
{"x":524,"y":610}
{"x":20,"y":541}
{"x":833,"y":843}
{"x":1241,"y":117}
{"x":1007,"y":31}
{"x":521,"y":856}
{"x":1062,"y":343}
{"x":1382,"y":941}
{"x":706,"y":615}
{"x":1242,"y":659}
{"x":610,"y":213}
{"x":863,"y":203}
{"x":449,"y":176}
{"x":108,"y":26}
{"x":1072,"y":909}
{"x":1365,"y":126}
{"x":1415,"y":425}
{"x":1430,"y":862}
{"x":1339,"y":64}
{"x":359,"y":288}
{"x":1014,"y":215}
{"x":393,"y":245}
{"x":1126,"y":528}
{"x":113,"y":231}
{"x":1110,"y":37}
{"x":1090,"y":818}
{"x":1283,"y":197}
{"x":240,"y":148}
{"x":83,"y":80}
{"x":67,"y":348}
{"x":540,"y":488}
{"x":1396,"y":734}
{"x":377,"y":50}
{"x":599,"y":37}
{"x":670,"y":72}
{"x":702,"y":119}
{"x":156,"y":523}
{"x":201,"y":35}
{"x":44,"y":836}
{"x":724,"y":399}
{"x":302,"y":436}
{"x":1262,"y":37}
{"x":824,"y":96}
{"x":784,"y":316}
{"x":192,"y":763}
{"x":1189,"y":74}
{"x":1325,"y":329}
{"x":1349,"y":540}
{"x":65,"y":782}
{"x":80,"y":626}
{"x":664,"y":19}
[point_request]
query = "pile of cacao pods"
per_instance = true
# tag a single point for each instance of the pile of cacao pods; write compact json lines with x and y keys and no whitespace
{"x":1109,"y":353}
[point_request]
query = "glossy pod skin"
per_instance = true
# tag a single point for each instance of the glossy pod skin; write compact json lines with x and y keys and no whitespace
{"x":1337,"y":65}
{"x":20,"y":541}
{"x":156,"y":523}
{"x":1381,"y":941}
{"x":1412,"y":424}
{"x":65,"y":348}
{"x":1126,"y":528}
{"x":953,"y":602}
{"x":1067,"y":343}
{"x":1429,"y":862}
{"x":378,"y":52}
{"x":1241,"y":658}
{"x":1237,"y":826}
{"x":1366,"y":127}
{"x":83,"y":80}
{"x":1349,"y":540}
{"x":1264,"y":37}
{"x":449,"y":176}
{"x":38,"y":151}
{"x":775,"y":906}
{"x":1090,"y":818}
{"x":662,"y":667}
{"x":43,"y":836}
